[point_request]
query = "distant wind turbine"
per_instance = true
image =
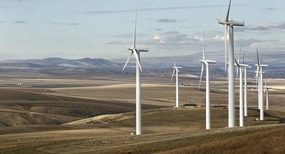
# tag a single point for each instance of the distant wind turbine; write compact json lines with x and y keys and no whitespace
{"x":136,"y":52}
{"x":266,"y":91}
{"x":206,"y":63}
{"x":241,"y":96}
{"x":231,"y":80}
{"x":176,"y":70}
{"x":245,"y":86}
{"x":259,"y":76}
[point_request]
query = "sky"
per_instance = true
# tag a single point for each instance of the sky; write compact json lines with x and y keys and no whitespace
{"x":104,"y":28}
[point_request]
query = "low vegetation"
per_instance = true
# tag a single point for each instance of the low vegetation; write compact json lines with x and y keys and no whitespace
{"x":78,"y":117}
{"x":261,"y":141}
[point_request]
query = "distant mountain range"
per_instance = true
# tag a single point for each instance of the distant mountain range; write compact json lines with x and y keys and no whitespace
{"x":58,"y":63}
{"x":150,"y":65}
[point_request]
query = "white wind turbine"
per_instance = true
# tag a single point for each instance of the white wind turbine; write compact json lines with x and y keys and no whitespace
{"x":245,"y":86}
{"x":241,"y":96}
{"x":231,"y":81}
{"x":259,"y":76}
{"x":176,"y":70}
{"x":266,"y":91}
{"x":206,"y":63}
{"x":136,"y":52}
{"x":243,"y":69}
{"x":267,"y":97}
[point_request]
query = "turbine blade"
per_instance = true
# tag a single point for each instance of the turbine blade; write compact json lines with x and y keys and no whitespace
{"x":228,"y":12}
{"x":237,"y":63}
{"x":261,"y":59}
{"x":257,"y":73}
{"x":135,"y":32}
{"x":243,"y":56}
{"x":204,"y":45}
{"x":265,"y":73}
{"x":257,"y":56}
{"x":137,"y":58}
{"x":127,"y":61}
{"x":265,"y":83}
{"x":239,"y":52}
{"x":255,"y":76}
{"x":177,"y":69}
{"x":172,"y":75}
{"x":201,"y":75}
{"x":226,"y":42}
{"x":237,"y":67}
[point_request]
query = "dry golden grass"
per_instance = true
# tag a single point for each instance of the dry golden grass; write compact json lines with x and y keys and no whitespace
{"x":42,"y":107}
{"x":163,"y":130}
{"x":262,"y":141}
{"x":34,"y":117}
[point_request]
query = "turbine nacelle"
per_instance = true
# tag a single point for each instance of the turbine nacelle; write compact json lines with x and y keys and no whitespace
{"x":231,"y":23}
{"x":175,"y":69}
{"x":258,"y":66}
{"x":248,"y":66}
{"x":261,"y":65}
{"x":136,"y":53}
{"x":241,"y":65}
{"x":207,"y":62}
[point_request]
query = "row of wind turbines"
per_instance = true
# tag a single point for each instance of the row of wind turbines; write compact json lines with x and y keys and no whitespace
{"x":229,"y":49}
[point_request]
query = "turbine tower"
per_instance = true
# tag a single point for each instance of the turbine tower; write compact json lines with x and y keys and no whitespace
{"x":229,"y":24}
{"x":176,"y":70}
{"x":136,"y":52}
{"x":267,"y":97}
{"x":259,"y":76}
{"x":206,"y":63}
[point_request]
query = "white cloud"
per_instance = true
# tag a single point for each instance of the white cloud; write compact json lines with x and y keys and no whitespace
{"x":156,"y":37}
{"x":219,"y":38}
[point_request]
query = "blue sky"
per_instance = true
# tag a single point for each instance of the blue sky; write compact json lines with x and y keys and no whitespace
{"x":103,"y":28}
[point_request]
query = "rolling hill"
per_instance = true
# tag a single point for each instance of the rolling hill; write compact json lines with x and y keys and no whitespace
{"x":151,"y":65}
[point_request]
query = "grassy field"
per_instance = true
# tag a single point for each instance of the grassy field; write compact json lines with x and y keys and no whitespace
{"x":171,"y":130}
{"x":97,"y":116}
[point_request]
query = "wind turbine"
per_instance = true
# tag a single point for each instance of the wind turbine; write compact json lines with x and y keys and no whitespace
{"x":229,"y":24}
{"x":245,"y":85}
{"x":136,"y":52}
{"x":267,"y":97}
{"x":176,"y":70}
{"x":241,"y":97}
{"x":206,"y":63}
{"x":259,"y":76}
{"x":266,"y":91}
{"x":243,"y":70}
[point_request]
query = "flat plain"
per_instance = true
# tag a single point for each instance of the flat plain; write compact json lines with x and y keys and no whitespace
{"x":96,"y":115}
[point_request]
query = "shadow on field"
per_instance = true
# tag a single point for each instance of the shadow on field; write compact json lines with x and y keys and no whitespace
{"x":280,"y":119}
{"x":271,"y":115}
